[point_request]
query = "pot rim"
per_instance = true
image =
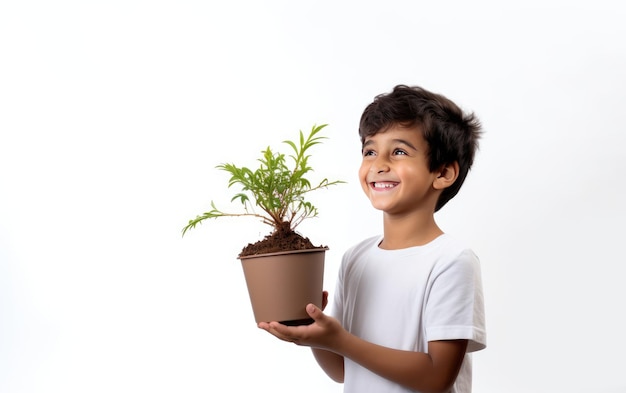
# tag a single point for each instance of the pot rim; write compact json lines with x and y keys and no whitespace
{"x":317,"y":249}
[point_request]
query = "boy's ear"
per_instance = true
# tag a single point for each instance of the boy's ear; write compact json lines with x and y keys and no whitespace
{"x":447,"y":176}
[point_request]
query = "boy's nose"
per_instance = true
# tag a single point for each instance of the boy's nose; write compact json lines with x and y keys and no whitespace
{"x":379,"y":165}
{"x":380,"y":168}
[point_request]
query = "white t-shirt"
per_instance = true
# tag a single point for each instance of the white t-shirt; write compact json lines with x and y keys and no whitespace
{"x":405,"y":298}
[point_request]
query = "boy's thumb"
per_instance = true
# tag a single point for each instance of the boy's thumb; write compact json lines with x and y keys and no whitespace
{"x":314,"y":312}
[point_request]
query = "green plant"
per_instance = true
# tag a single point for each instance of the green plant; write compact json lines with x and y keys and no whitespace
{"x":275,"y":188}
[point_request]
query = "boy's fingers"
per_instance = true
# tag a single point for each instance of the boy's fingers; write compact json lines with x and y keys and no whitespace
{"x":279,"y":329}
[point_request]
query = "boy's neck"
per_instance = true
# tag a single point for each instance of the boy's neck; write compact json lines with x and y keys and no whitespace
{"x":415,"y":229}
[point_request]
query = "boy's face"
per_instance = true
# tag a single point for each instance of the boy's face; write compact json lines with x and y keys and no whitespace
{"x":394,"y":172}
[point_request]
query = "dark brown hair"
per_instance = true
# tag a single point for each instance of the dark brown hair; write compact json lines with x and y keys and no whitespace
{"x":451,"y":134}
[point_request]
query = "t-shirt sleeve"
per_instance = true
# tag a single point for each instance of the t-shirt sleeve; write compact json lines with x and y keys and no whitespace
{"x":455,"y":305}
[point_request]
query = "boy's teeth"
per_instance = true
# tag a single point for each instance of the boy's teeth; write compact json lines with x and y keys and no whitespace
{"x":383,"y":185}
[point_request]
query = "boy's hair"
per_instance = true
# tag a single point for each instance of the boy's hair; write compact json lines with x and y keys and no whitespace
{"x":451,"y":134}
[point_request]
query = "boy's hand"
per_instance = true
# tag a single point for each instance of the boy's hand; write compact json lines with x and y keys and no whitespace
{"x":322,"y":333}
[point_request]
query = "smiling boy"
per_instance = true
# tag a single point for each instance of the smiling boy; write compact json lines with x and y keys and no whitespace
{"x":408,"y":308}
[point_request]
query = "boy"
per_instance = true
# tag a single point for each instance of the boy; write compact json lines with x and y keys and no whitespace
{"x":408,"y":307}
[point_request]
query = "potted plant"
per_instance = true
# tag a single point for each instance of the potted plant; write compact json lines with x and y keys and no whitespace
{"x":283,"y":271}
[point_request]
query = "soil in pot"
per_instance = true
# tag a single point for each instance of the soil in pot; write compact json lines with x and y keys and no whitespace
{"x":283,"y":239}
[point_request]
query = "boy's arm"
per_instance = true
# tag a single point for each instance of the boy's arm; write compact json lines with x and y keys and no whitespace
{"x":330,"y":362}
{"x":434,"y":371}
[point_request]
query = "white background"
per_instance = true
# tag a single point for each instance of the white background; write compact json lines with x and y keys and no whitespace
{"x":114,"y":114}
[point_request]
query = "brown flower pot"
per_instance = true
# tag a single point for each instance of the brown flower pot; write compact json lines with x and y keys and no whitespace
{"x":281,"y":284}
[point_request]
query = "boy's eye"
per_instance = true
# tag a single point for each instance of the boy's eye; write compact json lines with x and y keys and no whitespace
{"x":399,"y":152}
{"x":368,"y":153}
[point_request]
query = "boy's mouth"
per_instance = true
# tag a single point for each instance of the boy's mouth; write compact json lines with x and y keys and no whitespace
{"x":383,"y":185}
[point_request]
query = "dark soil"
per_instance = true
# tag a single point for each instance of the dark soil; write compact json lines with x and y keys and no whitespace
{"x":283,"y":239}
